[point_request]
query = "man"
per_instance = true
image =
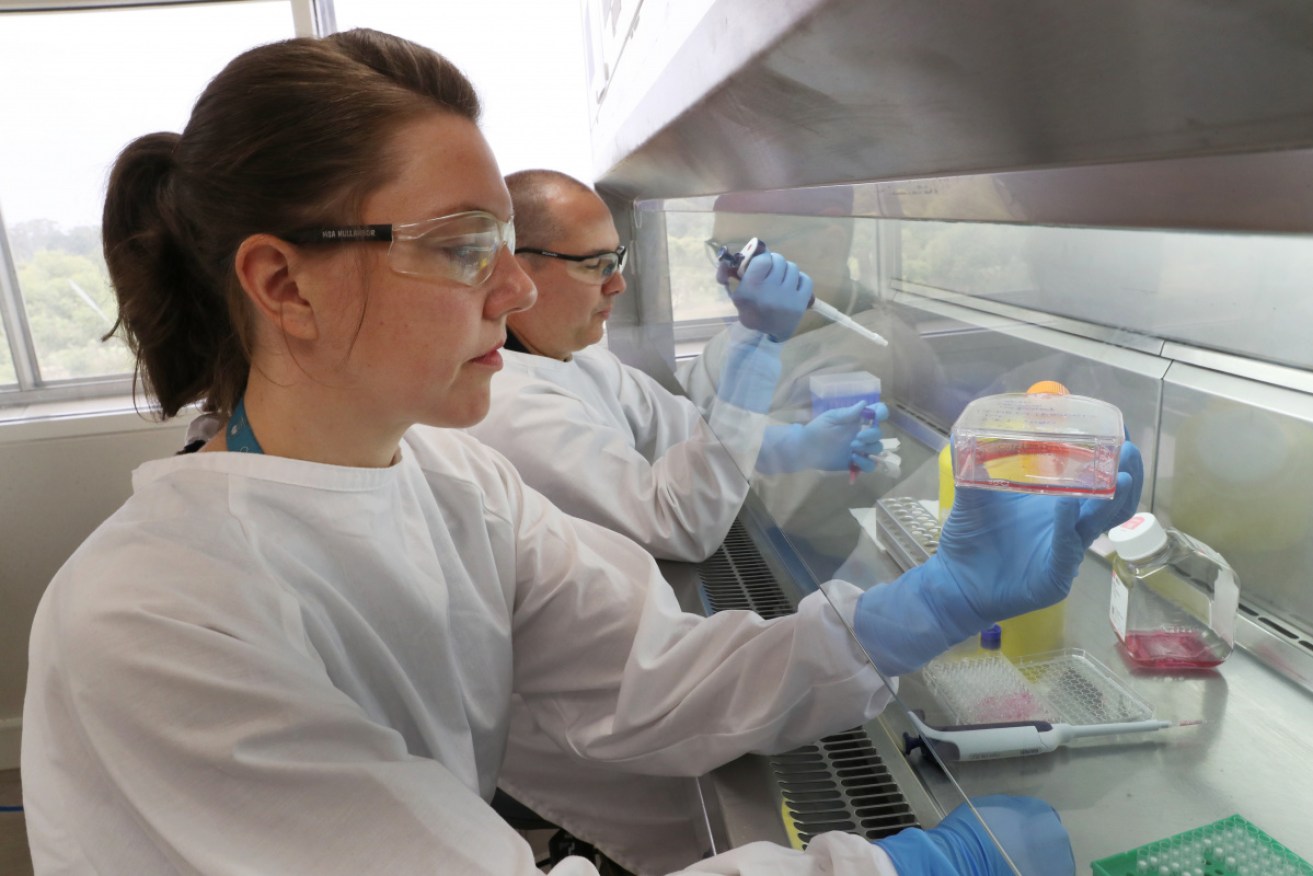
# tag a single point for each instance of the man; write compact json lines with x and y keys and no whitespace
{"x":606,"y":442}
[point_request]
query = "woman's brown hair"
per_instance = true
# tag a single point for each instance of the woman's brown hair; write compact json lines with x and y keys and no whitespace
{"x":288,"y":135}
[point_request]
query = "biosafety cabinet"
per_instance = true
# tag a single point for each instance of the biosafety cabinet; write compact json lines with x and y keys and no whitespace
{"x":1117,"y":195}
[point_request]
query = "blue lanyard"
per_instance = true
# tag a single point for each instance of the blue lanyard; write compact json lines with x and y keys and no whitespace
{"x":239,"y":436}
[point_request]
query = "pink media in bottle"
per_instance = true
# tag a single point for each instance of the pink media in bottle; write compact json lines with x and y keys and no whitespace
{"x":1168,"y":649}
{"x":1174,"y":599}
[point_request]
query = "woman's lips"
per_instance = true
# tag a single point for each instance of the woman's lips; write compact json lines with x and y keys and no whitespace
{"x":492,"y":358}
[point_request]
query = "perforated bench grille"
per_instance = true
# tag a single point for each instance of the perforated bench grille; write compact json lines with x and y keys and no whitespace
{"x":839,"y":782}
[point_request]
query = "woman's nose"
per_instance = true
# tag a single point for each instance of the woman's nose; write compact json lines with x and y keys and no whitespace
{"x":514,"y":290}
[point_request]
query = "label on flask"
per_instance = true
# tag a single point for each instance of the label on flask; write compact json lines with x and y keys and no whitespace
{"x":1118,"y":606}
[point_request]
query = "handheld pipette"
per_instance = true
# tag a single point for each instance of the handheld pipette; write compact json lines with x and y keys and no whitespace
{"x":734,"y":264}
{"x":1017,"y":738}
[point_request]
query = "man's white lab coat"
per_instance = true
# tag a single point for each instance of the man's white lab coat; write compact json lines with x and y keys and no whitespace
{"x":609,"y":444}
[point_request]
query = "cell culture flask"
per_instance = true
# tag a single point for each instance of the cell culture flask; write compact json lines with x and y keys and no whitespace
{"x":1174,"y":599}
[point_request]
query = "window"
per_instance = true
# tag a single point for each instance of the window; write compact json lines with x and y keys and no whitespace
{"x":79,"y":86}
{"x":7,"y":377}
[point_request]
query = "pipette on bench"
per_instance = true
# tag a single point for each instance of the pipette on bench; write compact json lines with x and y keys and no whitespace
{"x":1017,"y":738}
{"x":736,"y":263}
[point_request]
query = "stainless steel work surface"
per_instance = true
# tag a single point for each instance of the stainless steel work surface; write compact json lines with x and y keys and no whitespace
{"x":1253,"y":755}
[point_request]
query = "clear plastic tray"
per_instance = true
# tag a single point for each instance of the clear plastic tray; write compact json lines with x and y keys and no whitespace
{"x":1067,"y":686}
{"x":1038,"y":443}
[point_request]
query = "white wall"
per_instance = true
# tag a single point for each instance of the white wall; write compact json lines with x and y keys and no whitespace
{"x":526,"y":60}
{"x":58,"y":480}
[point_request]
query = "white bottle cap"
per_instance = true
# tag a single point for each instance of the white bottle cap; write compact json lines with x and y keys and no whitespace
{"x":1138,"y":537}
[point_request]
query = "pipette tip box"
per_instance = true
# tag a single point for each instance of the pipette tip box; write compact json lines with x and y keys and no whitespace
{"x":842,"y":389}
{"x":1038,"y":443}
{"x":1230,"y":847}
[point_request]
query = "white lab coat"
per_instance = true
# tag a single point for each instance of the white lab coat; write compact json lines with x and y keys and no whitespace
{"x":609,"y":444}
{"x":262,"y":665}
{"x":648,"y":824}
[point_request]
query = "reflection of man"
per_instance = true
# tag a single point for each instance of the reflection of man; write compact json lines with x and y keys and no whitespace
{"x":607,"y":443}
{"x":821,"y":245}
{"x":814,"y":504}
{"x":818,"y":233}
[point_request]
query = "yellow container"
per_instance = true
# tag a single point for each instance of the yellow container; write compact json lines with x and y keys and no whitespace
{"x":945,"y":482}
{"x":1042,"y":630}
{"x":1034,"y":632}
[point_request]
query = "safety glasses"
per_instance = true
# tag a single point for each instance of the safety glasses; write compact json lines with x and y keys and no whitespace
{"x":461,"y":247}
{"x":595,"y":268}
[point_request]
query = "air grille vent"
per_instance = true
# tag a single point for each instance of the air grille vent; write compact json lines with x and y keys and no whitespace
{"x":1285,"y":629}
{"x":840,"y":782}
{"x":736,"y":577}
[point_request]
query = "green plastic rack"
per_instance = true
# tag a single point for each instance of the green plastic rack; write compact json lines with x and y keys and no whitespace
{"x":1230,"y":847}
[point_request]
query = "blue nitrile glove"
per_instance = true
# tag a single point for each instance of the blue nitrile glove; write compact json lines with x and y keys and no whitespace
{"x":751,"y":370}
{"x":772,"y":296}
{"x":830,"y":442}
{"x":1000,"y":555}
{"x":1029,"y":830}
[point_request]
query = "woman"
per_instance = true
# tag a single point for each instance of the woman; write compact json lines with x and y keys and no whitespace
{"x":295,"y":651}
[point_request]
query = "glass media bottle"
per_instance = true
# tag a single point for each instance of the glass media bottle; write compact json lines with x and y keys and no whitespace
{"x":1174,"y":599}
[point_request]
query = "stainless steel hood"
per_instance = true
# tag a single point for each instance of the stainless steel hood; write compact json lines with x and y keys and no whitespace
{"x":855,"y":90}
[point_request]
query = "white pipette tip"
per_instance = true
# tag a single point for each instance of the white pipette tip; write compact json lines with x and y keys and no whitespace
{"x":846,"y":321}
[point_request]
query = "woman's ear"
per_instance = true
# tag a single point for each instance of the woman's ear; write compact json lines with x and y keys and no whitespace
{"x":267,"y":268}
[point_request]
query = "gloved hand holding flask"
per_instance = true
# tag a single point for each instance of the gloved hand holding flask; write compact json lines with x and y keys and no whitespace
{"x":1000,"y":555}
{"x":1029,"y":831}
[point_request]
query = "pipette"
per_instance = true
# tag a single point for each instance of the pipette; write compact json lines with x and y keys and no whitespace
{"x":1017,"y":738}
{"x":736,"y":263}
{"x":843,"y":319}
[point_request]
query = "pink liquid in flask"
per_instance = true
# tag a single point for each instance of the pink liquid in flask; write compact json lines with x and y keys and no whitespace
{"x":1174,"y":649}
{"x":1174,"y":599}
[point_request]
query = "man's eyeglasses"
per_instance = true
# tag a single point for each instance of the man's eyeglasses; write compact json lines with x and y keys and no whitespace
{"x":461,"y":247}
{"x":596,"y":268}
